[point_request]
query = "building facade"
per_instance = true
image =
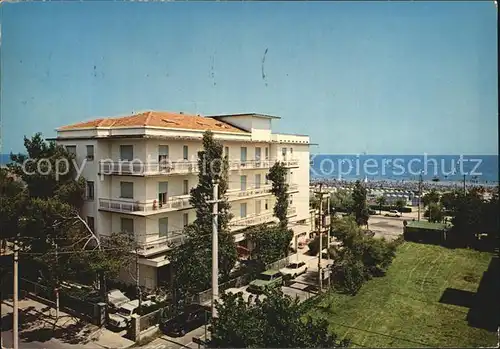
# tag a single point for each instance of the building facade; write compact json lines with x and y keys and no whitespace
{"x":140,"y":170}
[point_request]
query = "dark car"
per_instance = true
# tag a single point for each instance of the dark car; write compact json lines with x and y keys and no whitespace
{"x":192,"y":317}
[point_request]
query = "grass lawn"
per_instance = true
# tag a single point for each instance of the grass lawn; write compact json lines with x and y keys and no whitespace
{"x":403,"y":309}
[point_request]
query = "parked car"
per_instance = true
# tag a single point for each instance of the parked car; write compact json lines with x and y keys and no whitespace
{"x":193,"y":316}
{"x":294,"y":269}
{"x":116,"y":299}
{"x":267,"y":280}
{"x":121,"y":318}
{"x":393,"y":213}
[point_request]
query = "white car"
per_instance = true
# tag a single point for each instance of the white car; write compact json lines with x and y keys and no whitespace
{"x":124,"y":314}
{"x":393,"y":213}
{"x":116,"y":299}
{"x":294,"y":269}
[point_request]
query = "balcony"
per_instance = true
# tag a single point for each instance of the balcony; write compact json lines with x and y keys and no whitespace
{"x":235,"y":165}
{"x":139,"y":168}
{"x":293,"y":187}
{"x":174,"y":238}
{"x":151,"y":168}
{"x":291,"y":211}
{"x":144,"y":207}
{"x":241,"y":223}
{"x":250,"y":192}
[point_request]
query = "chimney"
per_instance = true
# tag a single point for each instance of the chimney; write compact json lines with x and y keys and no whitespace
{"x":182,"y":113}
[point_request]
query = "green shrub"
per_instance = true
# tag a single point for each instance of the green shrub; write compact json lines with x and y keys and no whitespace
{"x":350,"y":275}
{"x":314,"y":245}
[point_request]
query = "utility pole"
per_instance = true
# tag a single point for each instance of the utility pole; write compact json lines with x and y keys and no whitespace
{"x":137,"y":279}
{"x":15,"y":306}
{"x":419,"y":194}
{"x":215,"y":247}
{"x":57,"y":283}
{"x":465,"y":191}
{"x":328,"y":233}
{"x":15,"y":317}
{"x":320,"y":228}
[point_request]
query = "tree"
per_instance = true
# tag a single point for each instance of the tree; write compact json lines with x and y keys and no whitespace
{"x":55,"y":240}
{"x":192,"y":260}
{"x":14,"y":197}
{"x":381,"y":201}
{"x":270,"y":242}
{"x":277,"y":175}
{"x":434,"y":212}
{"x":375,"y":255}
{"x":400,"y":205}
{"x":449,"y":200}
{"x":467,"y":218}
{"x":432,"y":196}
{"x":313,"y":245}
{"x":275,"y":322}
{"x":359,"y":208}
{"x":341,"y":201}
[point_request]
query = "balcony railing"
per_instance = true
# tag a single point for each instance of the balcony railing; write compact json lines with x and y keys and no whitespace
{"x":249,"y":164}
{"x":172,"y":203}
{"x":145,"y":168}
{"x":291,"y":211}
{"x":240,"y":223}
{"x":139,"y":168}
{"x":121,"y":205}
{"x":293,"y":187}
{"x":240,"y":194}
{"x":174,"y":238}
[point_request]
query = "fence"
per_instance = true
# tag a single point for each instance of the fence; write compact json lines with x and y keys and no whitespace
{"x":75,"y":306}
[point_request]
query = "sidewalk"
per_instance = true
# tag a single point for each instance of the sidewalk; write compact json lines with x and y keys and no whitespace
{"x":37,"y":323}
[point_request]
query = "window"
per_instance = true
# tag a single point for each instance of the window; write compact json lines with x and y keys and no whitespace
{"x":291,"y":152}
{"x":185,"y":219}
{"x":126,"y":152}
{"x":226,"y":151}
{"x":243,"y":181}
{"x":185,"y":187}
{"x":257,"y":153}
{"x":127,"y":225}
{"x":90,"y":190}
{"x":243,"y":210}
{"x":257,"y":181}
{"x":243,"y":154}
{"x":91,"y":223}
{"x":127,"y":190}
{"x":267,"y":153}
{"x":283,"y":153}
{"x":71,"y":149}
{"x":90,"y":152}
{"x":185,"y":152}
{"x":163,"y":153}
{"x":162,"y":192}
{"x":266,"y":205}
{"x":163,"y":226}
{"x":257,"y":207}
{"x":266,"y":180}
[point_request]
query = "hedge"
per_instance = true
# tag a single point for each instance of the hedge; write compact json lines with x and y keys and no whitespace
{"x":390,"y":207}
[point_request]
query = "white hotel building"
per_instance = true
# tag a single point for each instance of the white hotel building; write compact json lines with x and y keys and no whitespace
{"x":152,"y":200}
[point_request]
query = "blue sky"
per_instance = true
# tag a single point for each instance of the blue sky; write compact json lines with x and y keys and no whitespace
{"x":381,"y":78}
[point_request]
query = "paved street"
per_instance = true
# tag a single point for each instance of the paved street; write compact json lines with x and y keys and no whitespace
{"x":37,"y":329}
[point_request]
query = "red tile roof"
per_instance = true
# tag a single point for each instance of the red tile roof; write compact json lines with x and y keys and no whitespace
{"x":158,"y":119}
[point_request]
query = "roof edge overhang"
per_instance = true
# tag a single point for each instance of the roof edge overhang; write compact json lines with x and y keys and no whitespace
{"x":257,"y":115}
